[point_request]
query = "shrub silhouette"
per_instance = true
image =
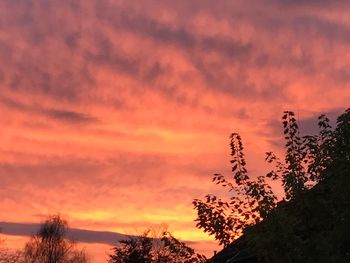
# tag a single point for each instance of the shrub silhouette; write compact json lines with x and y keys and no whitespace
{"x":312,"y":223}
{"x":154,"y":249}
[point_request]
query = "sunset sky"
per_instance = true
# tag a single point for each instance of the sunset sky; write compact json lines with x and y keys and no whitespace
{"x":117,"y":113}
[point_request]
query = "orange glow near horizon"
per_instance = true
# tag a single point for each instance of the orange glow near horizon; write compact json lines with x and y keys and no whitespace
{"x":116,"y":114}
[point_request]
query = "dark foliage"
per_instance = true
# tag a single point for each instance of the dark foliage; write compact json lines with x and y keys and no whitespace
{"x":312,"y":224}
{"x":146,"y":249}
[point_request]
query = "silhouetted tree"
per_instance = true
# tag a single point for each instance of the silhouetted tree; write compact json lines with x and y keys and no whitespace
{"x":50,"y":245}
{"x":134,"y":249}
{"x":147,"y":249}
{"x":250,"y":201}
{"x":313,"y":226}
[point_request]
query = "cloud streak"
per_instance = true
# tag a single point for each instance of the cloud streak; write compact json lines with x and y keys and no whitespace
{"x":79,"y":235}
{"x":60,"y":115}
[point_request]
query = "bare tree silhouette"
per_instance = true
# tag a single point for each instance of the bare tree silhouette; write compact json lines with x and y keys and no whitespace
{"x":50,"y":244}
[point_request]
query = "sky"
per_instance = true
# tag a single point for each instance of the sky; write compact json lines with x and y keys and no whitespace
{"x":116,"y":114}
